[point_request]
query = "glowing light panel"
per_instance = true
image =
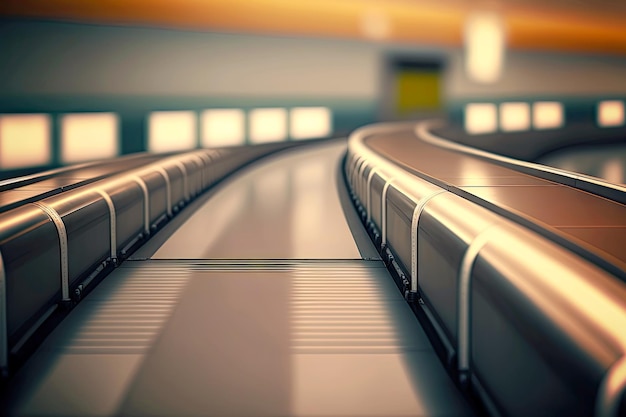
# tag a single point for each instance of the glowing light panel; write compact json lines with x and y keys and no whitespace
{"x":514,"y":116}
{"x":547,"y":115}
{"x":268,"y":125}
{"x":171,"y":131}
{"x":223,"y":127}
{"x":88,"y":136}
{"x":611,"y":113}
{"x":484,"y":47}
{"x":310,"y":122}
{"x":375,"y":24}
{"x":481,"y":118}
{"x":24,"y":140}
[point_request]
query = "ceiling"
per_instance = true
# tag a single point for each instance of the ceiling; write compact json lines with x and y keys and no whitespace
{"x":563,"y":25}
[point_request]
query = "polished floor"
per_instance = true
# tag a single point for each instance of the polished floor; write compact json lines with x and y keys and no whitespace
{"x":262,"y":303}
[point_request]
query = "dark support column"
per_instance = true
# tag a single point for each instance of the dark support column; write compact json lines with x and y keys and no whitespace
{"x":133,"y":132}
{"x":55,"y":138}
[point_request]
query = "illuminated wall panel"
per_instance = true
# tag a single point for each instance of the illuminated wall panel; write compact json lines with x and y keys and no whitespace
{"x":611,"y":113}
{"x":88,"y":136}
{"x":514,"y":116}
{"x":484,"y":47}
{"x":310,"y":122}
{"x":170,"y":131}
{"x":24,"y":140}
{"x":481,"y":118}
{"x":548,"y":115}
{"x":223,"y":127}
{"x":268,"y":125}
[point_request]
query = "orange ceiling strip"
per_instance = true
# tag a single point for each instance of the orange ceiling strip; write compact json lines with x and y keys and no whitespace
{"x":414,"y":22}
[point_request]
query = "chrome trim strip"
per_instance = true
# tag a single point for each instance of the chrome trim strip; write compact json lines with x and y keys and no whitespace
{"x":355,"y":170}
{"x":417,"y":212}
{"x":383,"y":215}
{"x":465,"y":297}
{"x":612,"y":389}
{"x":360,"y":180}
{"x":112,"y":221}
{"x":146,"y":203}
{"x":206,"y":160}
{"x":200,"y":162}
{"x":168,"y":187}
{"x":62,"y":232}
{"x":183,"y":169}
{"x":368,"y":199}
{"x":351,"y":170}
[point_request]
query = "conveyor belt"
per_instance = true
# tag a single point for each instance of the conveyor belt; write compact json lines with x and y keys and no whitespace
{"x":277,"y":211}
{"x":530,"y":318}
{"x":264,"y":298}
{"x":52,"y":252}
{"x":24,"y":190}
{"x":19,"y":191}
{"x":593,"y":222}
{"x":294,"y":321}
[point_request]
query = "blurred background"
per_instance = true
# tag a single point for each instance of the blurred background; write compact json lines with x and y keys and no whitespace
{"x":83,"y":80}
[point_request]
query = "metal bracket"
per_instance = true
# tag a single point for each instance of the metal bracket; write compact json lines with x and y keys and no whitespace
{"x":146,"y":203}
{"x":112,"y":222}
{"x":62,"y":232}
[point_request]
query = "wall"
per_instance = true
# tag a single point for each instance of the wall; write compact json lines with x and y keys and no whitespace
{"x":64,"y":59}
{"x":56,"y":67}
{"x":537,"y":74}
{"x":56,"y":58}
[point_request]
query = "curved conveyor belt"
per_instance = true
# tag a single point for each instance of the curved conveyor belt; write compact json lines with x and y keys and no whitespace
{"x":261,"y":303}
{"x":521,"y":278}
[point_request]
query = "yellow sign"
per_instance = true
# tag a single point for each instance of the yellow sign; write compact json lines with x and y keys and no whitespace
{"x":417,"y":90}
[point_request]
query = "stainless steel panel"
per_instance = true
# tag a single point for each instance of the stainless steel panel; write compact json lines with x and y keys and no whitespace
{"x":86,"y":218}
{"x":158,"y":194}
{"x":402,"y":198}
{"x":541,"y":314}
{"x":127,"y":198}
{"x":399,"y":215}
{"x":376,"y":193}
{"x":501,"y":351}
{"x":193,"y":179}
{"x":363,"y":182}
{"x":356,"y":175}
{"x":447,"y":226}
{"x":30,"y":249}
{"x":176,"y":183}
{"x":198,"y":164}
{"x":202,"y":161}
